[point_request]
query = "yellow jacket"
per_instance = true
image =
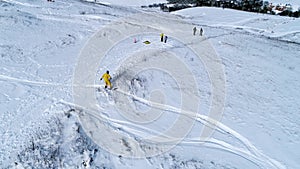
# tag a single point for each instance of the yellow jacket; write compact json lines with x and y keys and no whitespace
{"x":106,"y":77}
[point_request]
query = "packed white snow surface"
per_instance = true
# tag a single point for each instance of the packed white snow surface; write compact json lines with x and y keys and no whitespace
{"x":42,"y":127}
{"x":283,"y":28}
{"x":260,"y":54}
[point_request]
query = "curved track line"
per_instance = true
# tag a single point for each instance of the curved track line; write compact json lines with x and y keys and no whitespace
{"x":207,"y":120}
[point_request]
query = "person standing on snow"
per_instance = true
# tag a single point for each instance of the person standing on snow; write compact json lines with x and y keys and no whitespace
{"x":194,"y":30}
{"x":201,"y":32}
{"x":162,"y":37}
{"x":166,"y":38}
{"x":106,"y":77}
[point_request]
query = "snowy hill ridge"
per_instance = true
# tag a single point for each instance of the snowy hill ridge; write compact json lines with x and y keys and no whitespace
{"x":42,"y":125}
{"x":274,"y":27}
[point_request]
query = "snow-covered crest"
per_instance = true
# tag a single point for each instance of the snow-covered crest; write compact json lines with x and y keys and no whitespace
{"x":40,"y":45}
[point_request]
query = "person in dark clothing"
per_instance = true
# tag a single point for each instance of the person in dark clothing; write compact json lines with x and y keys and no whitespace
{"x":194,"y":30}
{"x":201,"y":32}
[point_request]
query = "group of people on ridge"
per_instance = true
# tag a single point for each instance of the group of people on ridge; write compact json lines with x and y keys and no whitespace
{"x":195,"y":30}
{"x":163,"y":37}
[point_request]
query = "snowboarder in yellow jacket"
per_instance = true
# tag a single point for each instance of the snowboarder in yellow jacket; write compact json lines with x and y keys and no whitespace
{"x":162,"y":37}
{"x":106,"y":77}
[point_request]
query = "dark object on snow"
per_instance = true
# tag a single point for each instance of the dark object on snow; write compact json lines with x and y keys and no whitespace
{"x":201,"y":32}
{"x":166,"y":38}
{"x":147,"y":42}
{"x":194,"y":30}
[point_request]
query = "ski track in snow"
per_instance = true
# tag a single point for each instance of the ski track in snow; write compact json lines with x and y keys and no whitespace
{"x":134,"y":130}
{"x":250,"y":153}
{"x":41,"y":83}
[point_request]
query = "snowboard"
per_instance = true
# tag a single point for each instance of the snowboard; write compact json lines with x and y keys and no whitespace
{"x":100,"y":89}
{"x":108,"y":93}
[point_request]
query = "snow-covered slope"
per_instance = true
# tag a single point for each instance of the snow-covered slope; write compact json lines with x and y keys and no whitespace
{"x":43,"y":124}
{"x":282,"y":28}
{"x":129,"y":2}
{"x":260,"y":54}
{"x":39,"y":44}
